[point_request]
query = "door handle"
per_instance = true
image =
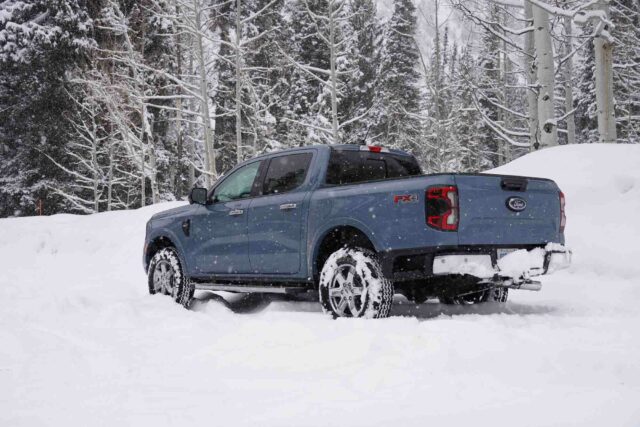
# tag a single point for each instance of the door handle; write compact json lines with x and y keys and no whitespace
{"x":288,"y":206}
{"x":236,"y":212}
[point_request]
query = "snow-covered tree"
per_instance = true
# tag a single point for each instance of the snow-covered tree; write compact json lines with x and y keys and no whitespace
{"x":396,"y":116}
{"x":40,"y":43}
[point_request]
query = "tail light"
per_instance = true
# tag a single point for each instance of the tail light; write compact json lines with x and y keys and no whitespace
{"x":563,"y":217}
{"x":442,"y":207}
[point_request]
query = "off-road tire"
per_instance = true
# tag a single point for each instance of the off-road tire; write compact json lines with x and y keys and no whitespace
{"x":181,"y":289}
{"x":376,"y":295}
{"x":488,"y":295}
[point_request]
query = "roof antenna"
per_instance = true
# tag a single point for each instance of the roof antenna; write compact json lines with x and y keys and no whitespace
{"x":364,"y":140}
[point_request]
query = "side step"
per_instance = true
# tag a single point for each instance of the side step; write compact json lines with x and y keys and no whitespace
{"x":250,"y":289}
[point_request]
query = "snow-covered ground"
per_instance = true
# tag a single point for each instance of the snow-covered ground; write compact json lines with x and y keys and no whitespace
{"x":82,"y":343}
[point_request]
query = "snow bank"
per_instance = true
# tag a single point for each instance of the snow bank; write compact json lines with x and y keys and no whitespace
{"x":82,"y":343}
{"x":601,"y":183}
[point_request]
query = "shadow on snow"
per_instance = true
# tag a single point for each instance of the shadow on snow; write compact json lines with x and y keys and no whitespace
{"x":254,"y":303}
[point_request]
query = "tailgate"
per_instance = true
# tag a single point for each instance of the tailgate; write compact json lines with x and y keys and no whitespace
{"x":504,"y":210}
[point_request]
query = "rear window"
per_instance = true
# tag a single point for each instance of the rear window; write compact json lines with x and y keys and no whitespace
{"x":348,"y":167}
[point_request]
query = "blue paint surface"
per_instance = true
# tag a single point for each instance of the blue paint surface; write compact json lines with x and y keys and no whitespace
{"x":267,"y":241}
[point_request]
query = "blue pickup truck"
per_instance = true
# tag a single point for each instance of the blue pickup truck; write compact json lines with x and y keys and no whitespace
{"x":356,"y":225}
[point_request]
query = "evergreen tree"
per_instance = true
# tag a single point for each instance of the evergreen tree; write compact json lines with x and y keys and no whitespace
{"x":42,"y":41}
{"x":359,"y":96}
{"x":396,"y":118}
{"x":302,"y":46}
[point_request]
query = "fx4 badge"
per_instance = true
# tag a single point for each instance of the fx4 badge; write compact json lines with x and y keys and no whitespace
{"x":516,"y":204}
{"x":405,"y":198}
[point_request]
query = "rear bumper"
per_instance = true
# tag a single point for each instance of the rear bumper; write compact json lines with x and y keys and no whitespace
{"x":419,"y":264}
{"x":514,"y":270}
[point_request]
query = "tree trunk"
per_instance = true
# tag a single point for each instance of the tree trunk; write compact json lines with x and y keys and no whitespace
{"x":238,"y":87}
{"x":153,"y":172}
{"x":143,"y":195}
{"x":436,"y":90}
{"x":334,"y":76}
{"x":94,"y":160}
{"x":176,"y":168}
{"x":210,"y":157}
{"x":503,"y":115}
{"x":110,"y":174}
{"x":191,"y":146}
{"x":604,"y":85}
{"x":547,"y":124}
{"x":531,"y":66}
{"x":568,"y":84}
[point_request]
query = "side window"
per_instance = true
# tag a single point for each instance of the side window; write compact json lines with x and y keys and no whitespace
{"x":398,"y":167}
{"x":344,"y":167}
{"x":286,"y":173}
{"x":374,"y":169}
{"x":350,"y":167}
{"x":238,"y":185}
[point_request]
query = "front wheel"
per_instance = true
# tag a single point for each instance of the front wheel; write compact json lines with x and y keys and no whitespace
{"x":352,"y":285}
{"x":166,"y":276}
{"x":487,"y":295}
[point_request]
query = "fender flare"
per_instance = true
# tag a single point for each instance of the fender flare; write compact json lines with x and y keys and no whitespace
{"x":326,"y":228}
{"x":171,"y":237}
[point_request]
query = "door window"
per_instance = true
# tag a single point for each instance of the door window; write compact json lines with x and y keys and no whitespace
{"x":286,"y":173}
{"x":238,"y":185}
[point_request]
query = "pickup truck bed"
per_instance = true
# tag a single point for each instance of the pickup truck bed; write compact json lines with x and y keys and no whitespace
{"x":273,"y":223}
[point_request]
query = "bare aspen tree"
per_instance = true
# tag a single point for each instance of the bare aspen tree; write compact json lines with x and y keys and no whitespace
{"x":238,"y":84}
{"x":210,"y":155}
{"x":191,"y":145}
{"x":530,"y":67}
{"x":603,"y":46}
{"x":568,"y":82}
{"x":547,"y":124}
{"x":597,"y":11}
{"x":179,"y":134}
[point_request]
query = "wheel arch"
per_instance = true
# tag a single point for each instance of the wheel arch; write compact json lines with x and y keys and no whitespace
{"x":333,"y":238}
{"x":160,"y":242}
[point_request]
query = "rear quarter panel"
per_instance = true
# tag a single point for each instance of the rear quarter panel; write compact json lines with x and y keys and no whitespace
{"x":373,"y":208}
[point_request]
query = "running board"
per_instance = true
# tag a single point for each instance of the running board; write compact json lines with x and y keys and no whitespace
{"x":250,"y":289}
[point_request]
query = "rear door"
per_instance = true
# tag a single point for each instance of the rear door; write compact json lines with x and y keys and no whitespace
{"x":500,"y":210}
{"x":276,"y":218}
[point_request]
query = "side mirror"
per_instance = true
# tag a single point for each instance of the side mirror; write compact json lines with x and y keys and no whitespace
{"x":198,"y":195}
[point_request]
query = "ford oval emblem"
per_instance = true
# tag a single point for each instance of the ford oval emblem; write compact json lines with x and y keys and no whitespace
{"x":516,"y":204}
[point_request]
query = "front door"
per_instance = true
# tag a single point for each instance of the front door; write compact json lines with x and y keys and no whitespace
{"x":276,"y":218}
{"x":220,"y":228}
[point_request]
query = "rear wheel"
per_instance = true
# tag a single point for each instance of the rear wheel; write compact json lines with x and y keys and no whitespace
{"x":487,"y":295}
{"x":165,"y":276}
{"x":352,"y":285}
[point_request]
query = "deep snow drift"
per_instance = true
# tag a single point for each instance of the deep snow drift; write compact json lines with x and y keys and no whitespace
{"x":82,"y":343}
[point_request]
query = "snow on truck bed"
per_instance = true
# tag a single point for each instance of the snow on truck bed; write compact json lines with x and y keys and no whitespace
{"x":82,"y":343}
